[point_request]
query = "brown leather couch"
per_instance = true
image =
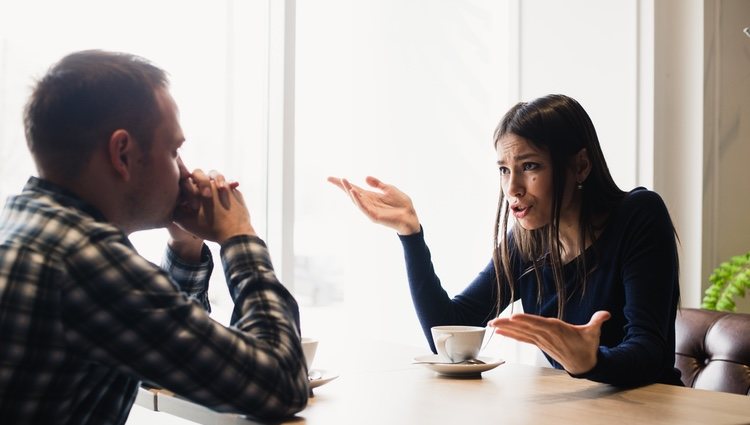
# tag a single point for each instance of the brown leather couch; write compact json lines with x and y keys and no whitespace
{"x":713,"y":350}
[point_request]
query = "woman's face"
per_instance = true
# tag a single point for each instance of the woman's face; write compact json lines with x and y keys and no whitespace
{"x":526,"y":178}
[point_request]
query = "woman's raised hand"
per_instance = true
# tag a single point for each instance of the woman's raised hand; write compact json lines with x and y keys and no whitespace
{"x":387,"y":206}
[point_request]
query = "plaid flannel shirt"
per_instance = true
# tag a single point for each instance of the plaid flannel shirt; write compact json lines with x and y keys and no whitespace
{"x":84,"y":318}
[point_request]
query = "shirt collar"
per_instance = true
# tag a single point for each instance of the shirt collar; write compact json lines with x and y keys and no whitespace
{"x":63,"y":197}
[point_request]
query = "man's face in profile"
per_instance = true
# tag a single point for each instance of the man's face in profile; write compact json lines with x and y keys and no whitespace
{"x":158,"y":174}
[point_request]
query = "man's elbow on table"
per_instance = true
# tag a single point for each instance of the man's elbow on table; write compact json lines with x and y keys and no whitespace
{"x":289,"y":397}
{"x":288,"y":404}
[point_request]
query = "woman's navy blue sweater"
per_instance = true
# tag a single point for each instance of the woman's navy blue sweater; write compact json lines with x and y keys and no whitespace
{"x":634,"y":277}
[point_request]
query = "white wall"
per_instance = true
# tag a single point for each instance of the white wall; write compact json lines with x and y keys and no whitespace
{"x":702,"y":132}
{"x":621,"y":59}
{"x":726,"y":183}
{"x":586,"y":49}
{"x":678,"y":129}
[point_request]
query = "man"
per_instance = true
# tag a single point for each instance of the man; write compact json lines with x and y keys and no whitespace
{"x":84,"y":318}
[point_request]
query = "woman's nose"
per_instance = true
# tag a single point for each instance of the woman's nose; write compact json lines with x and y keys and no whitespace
{"x":515,"y":186}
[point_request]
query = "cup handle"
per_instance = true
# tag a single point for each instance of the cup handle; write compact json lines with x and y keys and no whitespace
{"x":440,"y":345}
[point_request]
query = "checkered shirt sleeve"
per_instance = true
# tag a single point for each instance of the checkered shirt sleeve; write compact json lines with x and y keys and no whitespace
{"x":191,"y":278}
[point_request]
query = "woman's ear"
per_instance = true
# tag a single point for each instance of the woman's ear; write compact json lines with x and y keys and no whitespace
{"x":120,"y":150}
{"x":582,"y":165}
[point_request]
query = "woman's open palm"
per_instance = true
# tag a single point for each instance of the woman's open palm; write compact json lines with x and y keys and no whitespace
{"x":387,"y":206}
{"x":575,"y":347}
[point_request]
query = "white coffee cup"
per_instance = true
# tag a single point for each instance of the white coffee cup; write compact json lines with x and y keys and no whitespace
{"x":309,"y":347}
{"x":457,"y":343}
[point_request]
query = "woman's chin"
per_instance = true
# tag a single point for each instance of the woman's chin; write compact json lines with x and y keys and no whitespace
{"x":529,"y":224}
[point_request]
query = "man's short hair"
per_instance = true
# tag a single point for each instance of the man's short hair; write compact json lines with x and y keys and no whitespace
{"x":82,"y":100}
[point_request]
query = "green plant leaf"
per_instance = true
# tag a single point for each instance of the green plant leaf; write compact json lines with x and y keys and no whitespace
{"x":729,"y":280}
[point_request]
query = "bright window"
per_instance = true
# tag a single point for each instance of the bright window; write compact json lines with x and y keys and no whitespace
{"x":410,"y":92}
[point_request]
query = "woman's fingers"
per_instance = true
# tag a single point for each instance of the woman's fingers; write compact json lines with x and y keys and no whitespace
{"x":535,"y":330}
{"x":384,"y":204}
{"x":355,"y":193}
{"x":338,"y":182}
{"x":573,"y":346}
{"x":518,"y":336}
{"x":519,"y":319}
{"x":342,"y":184}
{"x":362,"y":201}
{"x":375,"y":182}
{"x":349,"y":186}
{"x":349,"y":189}
{"x":346,"y":185}
{"x":599,"y":318}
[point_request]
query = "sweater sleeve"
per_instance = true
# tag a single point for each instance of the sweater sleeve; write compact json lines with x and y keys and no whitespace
{"x":474,"y":306}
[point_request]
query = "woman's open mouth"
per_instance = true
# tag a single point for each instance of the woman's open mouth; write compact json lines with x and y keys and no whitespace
{"x":520,"y":212}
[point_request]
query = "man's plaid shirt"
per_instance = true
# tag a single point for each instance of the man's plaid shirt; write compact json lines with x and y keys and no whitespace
{"x":84,"y":318}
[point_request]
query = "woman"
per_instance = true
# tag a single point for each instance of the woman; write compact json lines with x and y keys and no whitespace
{"x":596,"y":268}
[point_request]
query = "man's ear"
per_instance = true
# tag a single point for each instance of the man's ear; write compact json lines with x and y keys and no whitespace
{"x":582,"y":165}
{"x":121,"y":150}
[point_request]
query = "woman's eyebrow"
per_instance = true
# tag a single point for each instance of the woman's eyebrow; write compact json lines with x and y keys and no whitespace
{"x":521,"y":157}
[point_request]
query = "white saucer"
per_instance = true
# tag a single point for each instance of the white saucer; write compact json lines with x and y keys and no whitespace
{"x":459,"y":369}
{"x":325,"y":377}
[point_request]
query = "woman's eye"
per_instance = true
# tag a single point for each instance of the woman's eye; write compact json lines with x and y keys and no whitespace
{"x":530,"y":166}
{"x":504,"y":171}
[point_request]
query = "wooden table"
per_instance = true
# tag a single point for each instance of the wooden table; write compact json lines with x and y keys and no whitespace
{"x":381,"y":386}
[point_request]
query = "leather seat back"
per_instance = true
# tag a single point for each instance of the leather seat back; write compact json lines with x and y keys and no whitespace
{"x":713,"y":350}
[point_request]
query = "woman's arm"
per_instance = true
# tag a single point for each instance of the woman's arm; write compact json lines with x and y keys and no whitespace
{"x":474,"y":306}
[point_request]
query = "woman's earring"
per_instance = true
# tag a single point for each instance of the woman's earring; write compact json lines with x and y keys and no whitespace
{"x":579,"y":186}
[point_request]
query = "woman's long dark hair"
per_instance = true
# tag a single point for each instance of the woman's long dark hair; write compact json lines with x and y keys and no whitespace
{"x":559,"y":125}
